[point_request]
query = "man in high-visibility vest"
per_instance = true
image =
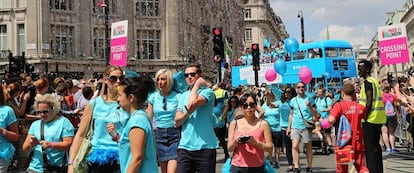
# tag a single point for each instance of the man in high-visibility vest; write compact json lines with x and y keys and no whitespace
{"x":371,"y":97}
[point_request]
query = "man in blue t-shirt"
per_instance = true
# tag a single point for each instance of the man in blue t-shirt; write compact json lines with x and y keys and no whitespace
{"x":302,"y":109}
{"x":197,"y":148}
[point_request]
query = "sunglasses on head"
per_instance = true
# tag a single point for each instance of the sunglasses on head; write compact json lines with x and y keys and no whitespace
{"x":251,"y":104}
{"x":164,"y":102}
{"x":115,"y":78}
{"x":300,"y":87}
{"x":189,"y":74}
{"x":42,"y":112}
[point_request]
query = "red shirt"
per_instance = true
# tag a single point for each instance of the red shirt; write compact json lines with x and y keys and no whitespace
{"x":354,"y":112}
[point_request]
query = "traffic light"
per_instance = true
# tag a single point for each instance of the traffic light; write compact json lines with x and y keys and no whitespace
{"x":256,"y":56}
{"x":218,"y":45}
{"x":29,"y":68}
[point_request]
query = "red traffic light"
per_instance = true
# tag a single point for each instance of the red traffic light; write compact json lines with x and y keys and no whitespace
{"x":255,"y":46}
{"x":216,"y":31}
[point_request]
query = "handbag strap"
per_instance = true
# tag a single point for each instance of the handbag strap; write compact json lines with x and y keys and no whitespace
{"x":42,"y":138}
{"x":89,"y":131}
{"x":299,"y":109}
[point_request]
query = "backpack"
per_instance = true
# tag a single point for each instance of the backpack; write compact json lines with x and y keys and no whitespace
{"x":344,"y":132}
{"x":389,"y":108}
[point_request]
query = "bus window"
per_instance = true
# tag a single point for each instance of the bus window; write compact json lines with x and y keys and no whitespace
{"x":300,"y":55}
{"x":331,"y":52}
{"x":314,"y":53}
{"x":345,"y":52}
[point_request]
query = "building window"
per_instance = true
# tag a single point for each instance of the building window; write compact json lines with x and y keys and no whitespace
{"x":3,"y":38}
{"x":148,"y":44}
{"x":61,"y":4}
{"x":98,"y":8}
{"x":99,"y":43}
{"x":21,"y":42}
{"x":248,"y":34}
{"x":147,"y":8}
{"x":5,"y":4}
{"x":247,"y":13}
{"x":62,"y":41}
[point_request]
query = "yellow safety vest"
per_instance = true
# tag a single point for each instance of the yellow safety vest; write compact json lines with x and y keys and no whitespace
{"x":220,"y":93}
{"x":377,"y":113}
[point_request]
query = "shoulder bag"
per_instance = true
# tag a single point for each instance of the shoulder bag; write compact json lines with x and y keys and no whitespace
{"x":81,"y":164}
{"x":310,"y":124}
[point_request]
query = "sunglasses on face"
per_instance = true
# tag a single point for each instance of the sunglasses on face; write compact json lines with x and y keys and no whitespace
{"x":164,"y":102}
{"x":114,"y":79}
{"x":300,"y":87}
{"x":189,"y":74}
{"x":42,"y":112}
{"x":250,"y":104}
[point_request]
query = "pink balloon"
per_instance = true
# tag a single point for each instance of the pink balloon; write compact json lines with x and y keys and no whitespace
{"x":305,"y":75}
{"x":325,"y":124}
{"x":270,"y":75}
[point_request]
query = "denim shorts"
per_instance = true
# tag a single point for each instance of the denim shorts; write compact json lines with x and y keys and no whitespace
{"x":167,"y":143}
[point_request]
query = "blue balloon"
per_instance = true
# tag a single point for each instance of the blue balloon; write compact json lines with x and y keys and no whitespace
{"x":291,"y":45}
{"x":280,"y":66}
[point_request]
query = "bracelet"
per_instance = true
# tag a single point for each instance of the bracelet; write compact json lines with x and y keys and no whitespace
{"x":70,"y":162}
{"x":52,"y":144}
{"x":4,"y":133}
{"x":197,"y":84}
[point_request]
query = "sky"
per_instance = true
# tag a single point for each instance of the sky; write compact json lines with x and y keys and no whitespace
{"x":355,"y":21}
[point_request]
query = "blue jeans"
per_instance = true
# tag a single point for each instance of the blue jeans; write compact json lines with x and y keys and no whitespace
{"x":200,"y":161}
{"x":167,"y":143}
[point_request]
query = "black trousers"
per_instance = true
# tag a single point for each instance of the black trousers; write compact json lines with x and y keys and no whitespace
{"x":221,"y":136}
{"x":373,"y":151}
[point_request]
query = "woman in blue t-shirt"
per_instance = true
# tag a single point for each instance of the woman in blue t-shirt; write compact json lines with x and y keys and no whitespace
{"x":103,"y":110}
{"x":48,"y":138}
{"x":136,"y":141}
{"x":284,"y":107}
{"x":8,"y":132}
{"x":162,"y":106}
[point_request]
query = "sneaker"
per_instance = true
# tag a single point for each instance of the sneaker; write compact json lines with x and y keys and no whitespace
{"x":388,"y":151}
{"x":276,"y":164}
{"x":308,"y":170}
{"x":394,"y":150}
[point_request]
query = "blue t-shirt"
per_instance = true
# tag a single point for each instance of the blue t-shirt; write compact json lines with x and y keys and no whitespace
{"x":198,"y":130}
{"x":284,"y":114}
{"x":104,"y":150}
{"x":7,"y":118}
{"x":54,"y":131}
{"x":247,"y":59}
{"x":218,"y":110}
{"x":272,"y":116}
{"x":164,"y":118}
{"x":322,"y":104}
{"x":300,"y":102}
{"x":139,"y":119}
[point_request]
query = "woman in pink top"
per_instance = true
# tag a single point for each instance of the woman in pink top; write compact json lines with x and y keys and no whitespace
{"x":388,"y":129}
{"x":249,"y":138}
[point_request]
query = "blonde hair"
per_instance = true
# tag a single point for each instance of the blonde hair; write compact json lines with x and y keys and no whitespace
{"x":170,"y":78}
{"x":48,"y":99}
{"x":108,"y":70}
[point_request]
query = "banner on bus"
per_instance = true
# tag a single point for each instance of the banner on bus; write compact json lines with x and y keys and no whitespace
{"x":119,"y":41}
{"x":244,"y":75}
{"x":393,"y":47}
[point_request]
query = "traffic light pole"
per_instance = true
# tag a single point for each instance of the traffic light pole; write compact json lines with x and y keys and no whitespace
{"x":107,"y":48}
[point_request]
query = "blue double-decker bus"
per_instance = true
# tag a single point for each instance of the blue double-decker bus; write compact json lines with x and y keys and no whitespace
{"x":331,"y":61}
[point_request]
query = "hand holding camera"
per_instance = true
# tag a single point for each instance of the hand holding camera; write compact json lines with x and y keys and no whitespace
{"x":243,"y":139}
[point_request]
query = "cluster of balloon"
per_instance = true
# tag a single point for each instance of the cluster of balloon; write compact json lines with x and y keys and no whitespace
{"x":270,"y":75}
{"x":305,"y":75}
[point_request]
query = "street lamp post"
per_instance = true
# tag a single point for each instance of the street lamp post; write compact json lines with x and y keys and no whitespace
{"x":302,"y":26}
{"x":107,"y":46}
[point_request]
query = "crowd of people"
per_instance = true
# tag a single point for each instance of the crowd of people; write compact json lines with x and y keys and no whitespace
{"x":138,"y":120}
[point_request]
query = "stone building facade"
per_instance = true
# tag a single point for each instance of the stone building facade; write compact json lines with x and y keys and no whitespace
{"x":70,"y":34}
